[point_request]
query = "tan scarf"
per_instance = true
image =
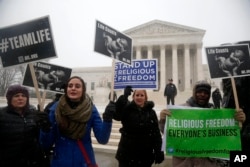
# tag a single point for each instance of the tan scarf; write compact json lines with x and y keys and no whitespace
{"x":72,"y":122}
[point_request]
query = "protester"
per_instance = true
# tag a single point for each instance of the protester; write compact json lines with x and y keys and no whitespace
{"x":140,"y":143}
{"x":73,"y":118}
{"x":243,"y":94}
{"x":49,"y":152}
{"x":217,"y":98}
{"x":200,"y":98}
{"x":19,"y":131}
{"x":114,"y":96}
{"x":170,"y":92}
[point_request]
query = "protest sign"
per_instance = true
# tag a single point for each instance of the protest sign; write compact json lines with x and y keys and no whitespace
{"x":112,"y":43}
{"x":141,"y":74}
{"x":48,"y":76}
{"x":228,"y":61}
{"x":202,"y":133}
{"x":26,"y":42}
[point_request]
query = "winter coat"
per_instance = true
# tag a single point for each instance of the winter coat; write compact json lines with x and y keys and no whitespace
{"x":19,"y":141}
{"x":140,"y":134}
{"x":243,"y":94}
{"x":66,"y":151}
{"x":217,"y":98}
{"x":170,"y":90}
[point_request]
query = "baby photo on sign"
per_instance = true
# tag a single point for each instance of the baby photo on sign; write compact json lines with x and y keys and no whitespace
{"x":228,"y":61}
{"x":112,"y":43}
{"x":49,"y":77}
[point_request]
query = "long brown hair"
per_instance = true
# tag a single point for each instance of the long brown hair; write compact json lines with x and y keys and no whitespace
{"x":83,"y":87}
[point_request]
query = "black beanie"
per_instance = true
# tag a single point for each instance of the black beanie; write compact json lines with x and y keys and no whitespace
{"x":204,"y":88}
{"x":15,"y":89}
{"x":202,"y":85}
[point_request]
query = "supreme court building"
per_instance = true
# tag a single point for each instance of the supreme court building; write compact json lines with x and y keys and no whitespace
{"x":178,"y":49}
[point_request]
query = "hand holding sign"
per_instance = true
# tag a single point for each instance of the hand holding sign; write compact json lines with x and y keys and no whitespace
{"x":127,"y":91}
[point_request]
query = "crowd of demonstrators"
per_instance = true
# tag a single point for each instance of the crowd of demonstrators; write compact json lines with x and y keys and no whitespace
{"x":69,"y":119}
{"x":140,"y":142}
{"x":19,"y":130}
{"x":217,"y":98}
{"x":73,"y":118}
{"x":200,"y":98}
{"x":170,"y":92}
{"x":243,"y":94}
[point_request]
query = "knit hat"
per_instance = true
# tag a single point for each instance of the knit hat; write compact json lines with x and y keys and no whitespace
{"x":202,"y":86}
{"x":15,"y":89}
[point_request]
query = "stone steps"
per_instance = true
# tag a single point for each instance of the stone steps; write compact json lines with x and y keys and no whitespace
{"x":110,"y":148}
{"x":113,"y":140}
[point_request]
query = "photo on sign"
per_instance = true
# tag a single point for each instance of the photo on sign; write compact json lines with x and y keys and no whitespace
{"x":112,"y":43}
{"x":228,"y":61}
{"x":49,"y":77}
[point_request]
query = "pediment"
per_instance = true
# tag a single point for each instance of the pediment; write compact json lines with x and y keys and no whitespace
{"x":157,"y":27}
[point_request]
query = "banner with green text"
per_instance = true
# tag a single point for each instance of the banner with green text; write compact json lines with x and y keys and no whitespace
{"x":200,"y":132}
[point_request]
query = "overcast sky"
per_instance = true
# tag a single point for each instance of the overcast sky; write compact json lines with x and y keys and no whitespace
{"x":73,"y":21}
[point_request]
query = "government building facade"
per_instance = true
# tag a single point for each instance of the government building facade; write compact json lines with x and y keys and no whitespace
{"x":177,"y":48}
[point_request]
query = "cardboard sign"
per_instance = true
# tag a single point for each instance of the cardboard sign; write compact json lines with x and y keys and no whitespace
{"x":49,"y":77}
{"x":26,"y":42}
{"x":202,"y":133}
{"x":112,"y":43}
{"x":228,"y":61}
{"x":141,"y":74}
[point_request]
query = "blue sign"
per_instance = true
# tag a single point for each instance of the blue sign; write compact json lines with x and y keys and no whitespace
{"x":141,"y":74}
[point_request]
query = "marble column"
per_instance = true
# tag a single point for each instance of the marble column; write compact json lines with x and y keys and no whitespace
{"x":162,"y":68}
{"x":175,"y":65}
{"x":199,"y":71}
{"x":186,"y":67}
{"x":138,"y":52}
{"x":150,"y":54}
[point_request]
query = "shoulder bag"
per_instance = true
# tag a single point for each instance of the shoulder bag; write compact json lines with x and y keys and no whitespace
{"x":85,"y":154}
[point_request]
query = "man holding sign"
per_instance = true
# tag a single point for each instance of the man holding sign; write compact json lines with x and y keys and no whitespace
{"x":199,"y":99}
{"x":243,"y":90}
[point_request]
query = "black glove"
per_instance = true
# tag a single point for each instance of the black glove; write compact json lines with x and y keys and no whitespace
{"x":38,"y":107}
{"x":127,"y":91}
{"x":109,"y":112}
{"x":159,"y":157}
{"x":42,"y":121}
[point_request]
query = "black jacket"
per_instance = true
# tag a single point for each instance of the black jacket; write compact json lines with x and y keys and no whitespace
{"x":170,"y":90}
{"x":140,"y":134}
{"x":243,"y":93}
{"x":19,"y":143}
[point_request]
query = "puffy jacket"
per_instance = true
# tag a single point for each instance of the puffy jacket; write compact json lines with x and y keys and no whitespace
{"x":19,"y":141}
{"x":66,"y":151}
{"x":140,"y":134}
